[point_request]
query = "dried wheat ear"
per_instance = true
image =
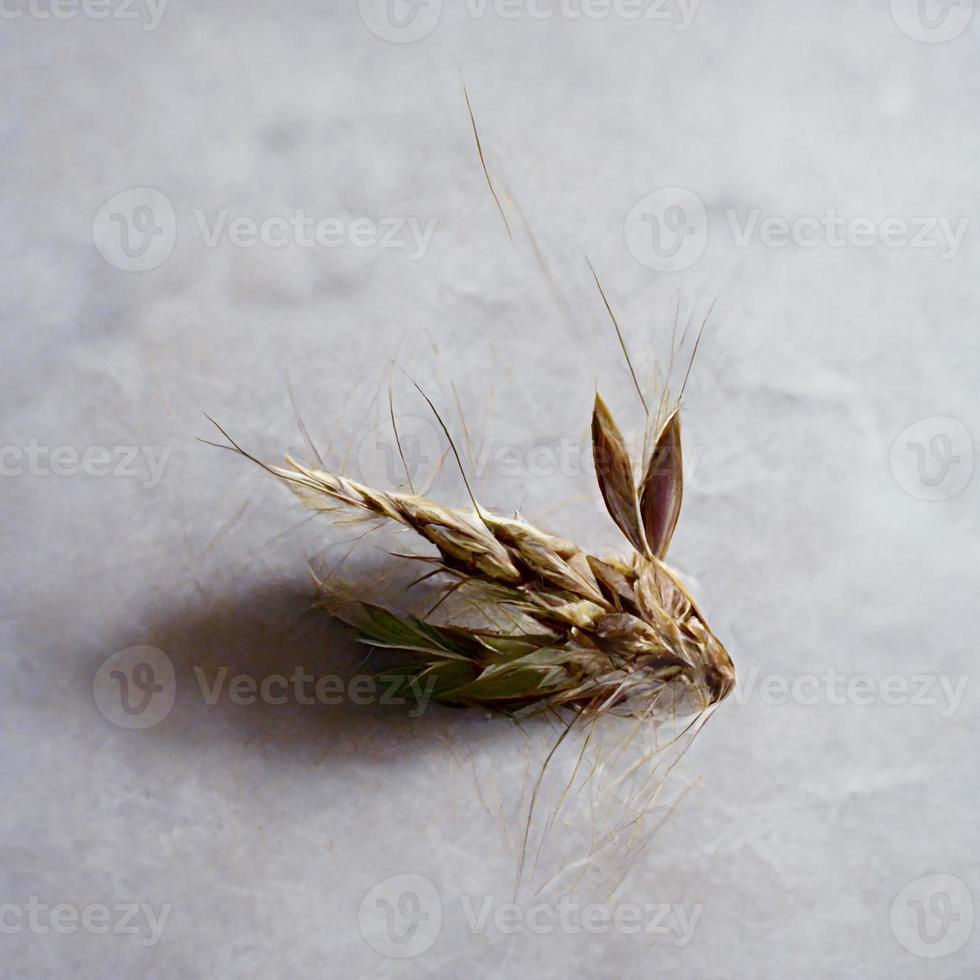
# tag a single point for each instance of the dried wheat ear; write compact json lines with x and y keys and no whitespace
{"x":560,"y":628}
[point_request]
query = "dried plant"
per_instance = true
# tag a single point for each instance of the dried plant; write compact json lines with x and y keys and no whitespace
{"x":526,"y":622}
{"x":556,"y":627}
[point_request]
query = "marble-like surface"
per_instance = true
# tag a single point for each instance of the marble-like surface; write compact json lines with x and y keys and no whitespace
{"x":829,"y":524}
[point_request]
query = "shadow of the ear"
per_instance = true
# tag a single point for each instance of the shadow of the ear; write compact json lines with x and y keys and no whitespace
{"x":268,"y":670}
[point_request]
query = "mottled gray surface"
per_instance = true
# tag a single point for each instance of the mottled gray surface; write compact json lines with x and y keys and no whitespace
{"x":816,"y":818}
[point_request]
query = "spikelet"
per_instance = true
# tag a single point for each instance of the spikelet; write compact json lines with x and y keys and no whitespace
{"x":584,"y":633}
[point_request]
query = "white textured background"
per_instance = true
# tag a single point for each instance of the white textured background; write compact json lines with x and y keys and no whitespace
{"x":263,"y":827}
